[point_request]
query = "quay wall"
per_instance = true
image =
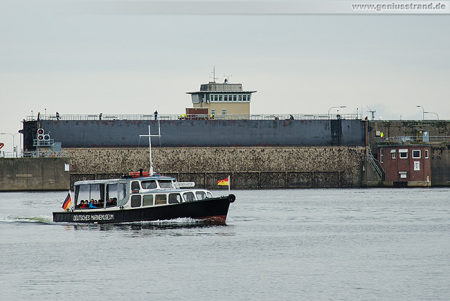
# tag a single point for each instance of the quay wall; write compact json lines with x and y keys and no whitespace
{"x":249,"y":167}
{"x":34,"y":174}
{"x":440,"y":165}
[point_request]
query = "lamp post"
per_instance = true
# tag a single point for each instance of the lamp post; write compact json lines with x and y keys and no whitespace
{"x":339,"y":107}
{"x":434,"y":114}
{"x":423,"y":112}
{"x":14,"y":144}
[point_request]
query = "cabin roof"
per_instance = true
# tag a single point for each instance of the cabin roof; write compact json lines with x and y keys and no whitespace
{"x":112,"y":181}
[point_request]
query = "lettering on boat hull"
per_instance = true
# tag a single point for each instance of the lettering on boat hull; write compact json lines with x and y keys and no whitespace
{"x":93,"y":217}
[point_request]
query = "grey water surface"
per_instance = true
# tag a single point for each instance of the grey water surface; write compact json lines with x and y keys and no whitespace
{"x":317,"y":244}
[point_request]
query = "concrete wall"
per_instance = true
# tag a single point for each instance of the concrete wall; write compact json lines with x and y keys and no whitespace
{"x":398,"y":128}
{"x":440,"y":165}
{"x":19,"y":174}
{"x":250,"y":167}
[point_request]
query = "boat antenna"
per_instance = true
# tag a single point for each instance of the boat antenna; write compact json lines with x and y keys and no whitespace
{"x":150,"y":144}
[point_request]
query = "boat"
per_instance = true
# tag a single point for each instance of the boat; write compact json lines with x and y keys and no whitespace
{"x":141,"y":198}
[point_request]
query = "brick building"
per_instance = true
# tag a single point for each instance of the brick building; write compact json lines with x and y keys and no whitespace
{"x":406,"y":165}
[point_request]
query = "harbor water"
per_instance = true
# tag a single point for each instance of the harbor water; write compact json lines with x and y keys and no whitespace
{"x":313,"y":244}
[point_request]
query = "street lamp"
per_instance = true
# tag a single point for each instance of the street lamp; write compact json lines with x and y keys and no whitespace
{"x":423,"y":112}
{"x":434,"y":114}
{"x":14,"y":144}
{"x":340,"y":107}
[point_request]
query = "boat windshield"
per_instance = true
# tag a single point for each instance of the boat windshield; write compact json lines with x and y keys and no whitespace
{"x":165,"y":183}
{"x":149,"y":184}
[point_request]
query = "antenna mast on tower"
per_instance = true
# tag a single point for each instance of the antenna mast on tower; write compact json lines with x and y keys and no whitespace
{"x":214,"y":74}
{"x":373,"y":113}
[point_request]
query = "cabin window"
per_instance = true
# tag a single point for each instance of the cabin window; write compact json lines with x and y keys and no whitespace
{"x":149,"y":184}
{"x":111,"y":195}
{"x":148,"y":200}
{"x":135,"y":186}
{"x":165,"y":183}
{"x":174,"y":198}
{"x":426,"y":154}
{"x":136,"y":201}
{"x":416,"y":154}
{"x":201,"y":195}
{"x":188,"y":196}
{"x":122,"y":194}
{"x":160,"y":199}
{"x":403,"y":153}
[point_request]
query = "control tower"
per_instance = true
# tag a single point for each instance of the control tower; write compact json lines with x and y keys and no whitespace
{"x":223,"y":99}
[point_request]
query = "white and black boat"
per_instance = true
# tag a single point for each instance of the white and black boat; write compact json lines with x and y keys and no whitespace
{"x":141,"y":198}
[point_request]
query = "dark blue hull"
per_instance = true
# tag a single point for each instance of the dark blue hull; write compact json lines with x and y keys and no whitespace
{"x":214,"y":210}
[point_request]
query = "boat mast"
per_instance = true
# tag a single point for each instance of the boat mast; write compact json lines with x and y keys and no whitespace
{"x":150,"y":144}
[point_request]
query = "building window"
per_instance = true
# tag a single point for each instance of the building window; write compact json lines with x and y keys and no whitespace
{"x":225,"y":98}
{"x":393,"y":153}
{"x":248,"y":97}
{"x":240,"y":97}
{"x":220,"y":97}
{"x":426,"y":154}
{"x":234,"y":97}
{"x":216,"y":97}
{"x":416,"y":165}
{"x":416,"y":154}
{"x":224,"y":112}
{"x":245,"y":98}
{"x":403,"y":174}
{"x":381,"y":155}
{"x":403,"y":153}
{"x":213,"y":112}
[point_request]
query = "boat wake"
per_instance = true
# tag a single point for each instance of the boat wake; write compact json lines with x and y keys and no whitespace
{"x":33,"y":219}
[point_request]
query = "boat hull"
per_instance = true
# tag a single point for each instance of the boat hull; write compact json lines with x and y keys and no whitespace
{"x":214,"y":210}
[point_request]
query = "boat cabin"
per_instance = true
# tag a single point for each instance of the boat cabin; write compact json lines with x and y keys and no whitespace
{"x":134,"y":193}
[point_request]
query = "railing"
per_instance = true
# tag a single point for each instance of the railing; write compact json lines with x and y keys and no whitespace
{"x":108,"y":117}
{"x":375,"y":165}
{"x":45,"y":154}
{"x":412,"y":139}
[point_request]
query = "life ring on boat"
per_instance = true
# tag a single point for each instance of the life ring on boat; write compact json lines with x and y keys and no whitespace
{"x":2,"y":145}
{"x":231,"y":198}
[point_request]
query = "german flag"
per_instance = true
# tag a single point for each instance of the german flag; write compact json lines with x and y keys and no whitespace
{"x":223,"y":182}
{"x":67,"y":202}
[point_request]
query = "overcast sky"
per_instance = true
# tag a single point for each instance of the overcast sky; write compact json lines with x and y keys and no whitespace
{"x":87,"y":63}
